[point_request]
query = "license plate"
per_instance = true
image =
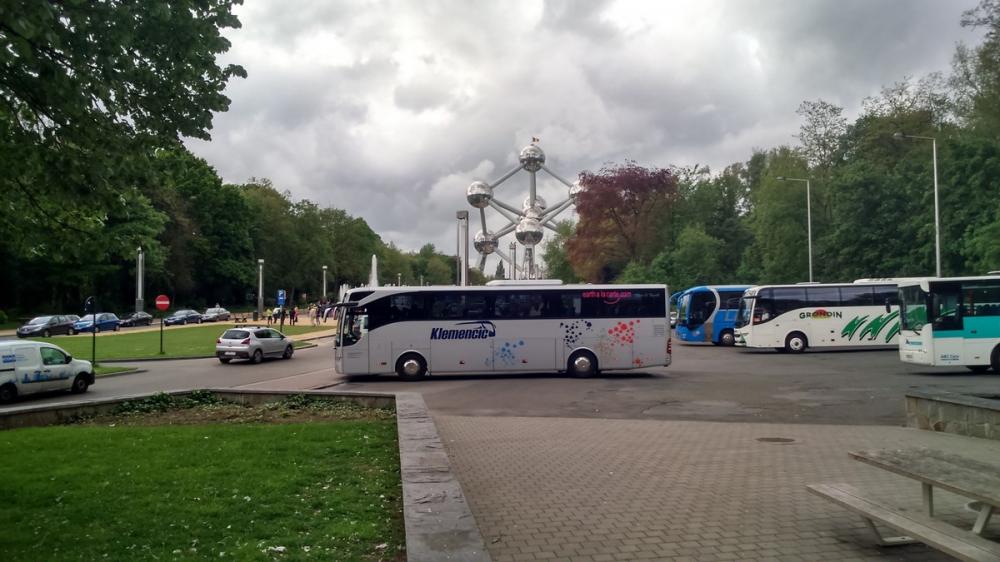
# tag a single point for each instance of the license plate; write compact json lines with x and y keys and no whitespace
{"x":230,"y":353}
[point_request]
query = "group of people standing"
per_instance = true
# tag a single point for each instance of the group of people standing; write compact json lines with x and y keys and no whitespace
{"x":317,"y":312}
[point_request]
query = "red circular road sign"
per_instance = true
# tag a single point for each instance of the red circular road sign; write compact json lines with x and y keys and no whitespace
{"x":162,"y":302}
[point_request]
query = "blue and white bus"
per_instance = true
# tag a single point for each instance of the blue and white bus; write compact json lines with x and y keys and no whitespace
{"x":951,"y":321}
{"x":509,"y":327}
{"x":707,"y":313}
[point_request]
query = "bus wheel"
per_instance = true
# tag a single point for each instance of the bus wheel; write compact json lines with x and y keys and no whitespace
{"x":995,"y":361}
{"x":411,"y":366}
{"x":796,"y":342}
{"x":582,"y":364}
{"x":727,"y":338}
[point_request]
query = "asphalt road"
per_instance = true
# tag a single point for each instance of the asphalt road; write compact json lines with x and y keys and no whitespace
{"x":704,"y":383}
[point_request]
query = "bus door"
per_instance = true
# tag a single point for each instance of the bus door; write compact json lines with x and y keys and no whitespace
{"x":947,"y":325}
{"x":525,"y":342}
{"x":352,"y":344}
{"x":980,"y":322}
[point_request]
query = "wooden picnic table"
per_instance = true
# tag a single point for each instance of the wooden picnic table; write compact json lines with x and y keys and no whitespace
{"x":933,"y":468}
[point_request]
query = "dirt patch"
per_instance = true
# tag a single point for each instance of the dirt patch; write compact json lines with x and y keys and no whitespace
{"x":206,"y":408}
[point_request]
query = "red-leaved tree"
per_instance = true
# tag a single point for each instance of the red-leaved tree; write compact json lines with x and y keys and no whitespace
{"x":624,"y":213}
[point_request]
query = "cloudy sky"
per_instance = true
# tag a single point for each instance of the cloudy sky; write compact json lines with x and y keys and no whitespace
{"x":389,"y":109}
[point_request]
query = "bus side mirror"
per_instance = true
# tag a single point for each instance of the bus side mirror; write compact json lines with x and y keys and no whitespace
{"x":888,"y":307}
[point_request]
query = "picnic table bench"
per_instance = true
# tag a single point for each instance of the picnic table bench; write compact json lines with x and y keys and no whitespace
{"x":968,"y":477}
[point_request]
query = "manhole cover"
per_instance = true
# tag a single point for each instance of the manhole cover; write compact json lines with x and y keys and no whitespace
{"x":775,"y":440}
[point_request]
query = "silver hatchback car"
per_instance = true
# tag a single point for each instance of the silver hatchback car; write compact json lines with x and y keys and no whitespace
{"x":253,"y":343}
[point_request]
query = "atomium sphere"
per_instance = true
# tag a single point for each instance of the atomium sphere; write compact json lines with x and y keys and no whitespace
{"x":539,"y":203}
{"x":528,"y":231}
{"x":485,"y":242}
{"x":533,"y":213}
{"x":532,"y":158}
{"x":575,"y":190}
{"x":479,"y":194}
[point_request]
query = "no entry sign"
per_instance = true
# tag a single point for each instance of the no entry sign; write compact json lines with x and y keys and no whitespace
{"x":162,"y":302}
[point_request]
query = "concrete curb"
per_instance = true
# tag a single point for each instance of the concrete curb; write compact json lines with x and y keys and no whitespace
{"x":439,"y":524}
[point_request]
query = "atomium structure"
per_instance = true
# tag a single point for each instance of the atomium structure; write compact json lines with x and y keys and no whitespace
{"x":526,"y":223}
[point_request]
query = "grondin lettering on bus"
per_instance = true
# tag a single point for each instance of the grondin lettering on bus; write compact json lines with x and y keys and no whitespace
{"x":818,"y":314}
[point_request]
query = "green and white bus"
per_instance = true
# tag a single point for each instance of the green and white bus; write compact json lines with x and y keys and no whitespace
{"x":819,"y":315}
{"x":949,"y":321}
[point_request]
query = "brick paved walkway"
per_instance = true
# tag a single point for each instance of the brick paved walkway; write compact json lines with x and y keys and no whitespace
{"x":594,"y":490}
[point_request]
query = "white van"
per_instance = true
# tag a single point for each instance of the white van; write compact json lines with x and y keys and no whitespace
{"x":27,"y":367}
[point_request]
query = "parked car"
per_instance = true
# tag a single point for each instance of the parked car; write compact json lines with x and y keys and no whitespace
{"x":253,"y":343}
{"x":137,"y":319}
{"x":183,"y":317}
{"x":45,"y":326}
{"x":215,"y":315}
{"x":31,"y":366}
{"x":105,"y":321}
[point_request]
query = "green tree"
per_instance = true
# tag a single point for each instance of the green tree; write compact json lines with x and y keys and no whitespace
{"x":557,"y":263}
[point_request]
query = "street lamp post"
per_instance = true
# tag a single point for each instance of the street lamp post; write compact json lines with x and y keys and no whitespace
{"x":809,"y":222}
{"x":513,"y":260}
{"x":140,"y":282}
{"x":399,"y":279}
{"x":937,"y":208}
{"x":260,"y":288}
{"x":324,"y":282}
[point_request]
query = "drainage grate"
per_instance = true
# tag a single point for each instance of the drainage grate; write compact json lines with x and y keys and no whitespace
{"x":775,"y":440}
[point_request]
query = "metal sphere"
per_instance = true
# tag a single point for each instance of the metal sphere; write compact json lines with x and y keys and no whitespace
{"x":532,"y":158}
{"x":479,"y":194}
{"x":533,"y":213}
{"x":575,"y":190}
{"x":528,"y":231}
{"x":485,"y":242}
{"x":539,"y":203}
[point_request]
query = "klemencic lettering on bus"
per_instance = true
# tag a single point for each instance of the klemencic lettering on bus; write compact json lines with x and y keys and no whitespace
{"x":483,"y":329}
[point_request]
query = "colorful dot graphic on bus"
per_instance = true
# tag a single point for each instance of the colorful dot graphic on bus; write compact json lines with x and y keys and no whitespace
{"x":507,"y":352}
{"x":623,"y":332}
{"x":572,"y":331}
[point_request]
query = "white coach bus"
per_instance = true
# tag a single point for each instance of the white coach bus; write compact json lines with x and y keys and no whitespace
{"x":951,"y":321}
{"x":580,"y":329}
{"x":795,"y":317}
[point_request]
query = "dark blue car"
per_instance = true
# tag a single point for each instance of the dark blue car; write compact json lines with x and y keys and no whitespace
{"x":106,"y":321}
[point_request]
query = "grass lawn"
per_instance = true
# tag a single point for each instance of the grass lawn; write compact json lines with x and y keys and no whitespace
{"x":325,"y":490}
{"x":177,"y":342}
{"x":102,"y":370}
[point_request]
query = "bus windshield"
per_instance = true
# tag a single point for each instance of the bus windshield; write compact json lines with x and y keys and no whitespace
{"x":352,"y":324}
{"x":683,"y":303}
{"x":743,"y":314}
{"x":913,"y":308}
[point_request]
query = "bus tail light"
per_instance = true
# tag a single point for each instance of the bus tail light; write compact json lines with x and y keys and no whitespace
{"x":670,"y":345}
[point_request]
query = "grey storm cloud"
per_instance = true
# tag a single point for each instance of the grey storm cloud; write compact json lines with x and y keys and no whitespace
{"x":389,"y":109}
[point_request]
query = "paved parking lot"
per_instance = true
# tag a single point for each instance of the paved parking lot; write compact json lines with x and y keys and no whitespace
{"x":704,"y":383}
{"x":666,"y":464}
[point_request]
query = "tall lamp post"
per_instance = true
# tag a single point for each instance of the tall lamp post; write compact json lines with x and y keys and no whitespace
{"x":937,"y":213}
{"x":809,"y":221}
{"x":260,"y":288}
{"x":140,"y":282}
{"x":324,"y":282}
